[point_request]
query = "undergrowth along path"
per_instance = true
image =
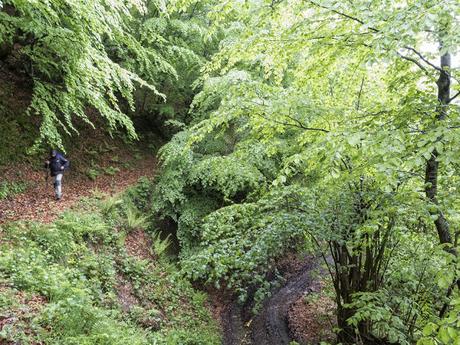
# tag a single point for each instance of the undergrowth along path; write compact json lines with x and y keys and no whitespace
{"x":38,"y":202}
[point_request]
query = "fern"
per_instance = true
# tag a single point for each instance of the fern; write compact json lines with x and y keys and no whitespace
{"x":110,"y":204}
{"x":160,"y":245}
{"x":134,"y":220}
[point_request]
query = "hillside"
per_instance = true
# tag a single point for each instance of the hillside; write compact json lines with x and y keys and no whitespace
{"x":269,"y":172}
{"x":96,"y":275}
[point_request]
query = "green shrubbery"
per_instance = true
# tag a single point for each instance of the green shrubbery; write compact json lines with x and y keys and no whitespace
{"x":231,"y":229}
{"x":8,"y":189}
{"x":75,"y":265}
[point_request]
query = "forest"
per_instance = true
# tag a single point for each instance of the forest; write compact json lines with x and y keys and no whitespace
{"x":239,"y":172}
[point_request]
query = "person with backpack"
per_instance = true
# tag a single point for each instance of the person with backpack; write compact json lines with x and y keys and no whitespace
{"x":57,"y":164}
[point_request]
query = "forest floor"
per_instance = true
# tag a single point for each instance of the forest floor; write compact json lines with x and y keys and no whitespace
{"x":99,"y":162}
{"x":37,"y":201}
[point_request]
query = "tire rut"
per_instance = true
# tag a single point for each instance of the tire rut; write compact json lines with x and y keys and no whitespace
{"x":270,"y":326}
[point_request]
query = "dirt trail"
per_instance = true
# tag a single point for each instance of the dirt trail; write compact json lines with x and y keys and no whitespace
{"x":38,"y":203}
{"x":270,"y":326}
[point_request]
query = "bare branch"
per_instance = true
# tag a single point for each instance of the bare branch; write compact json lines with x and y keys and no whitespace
{"x":415,"y":62}
{"x":343,"y":15}
{"x":454,"y":97}
{"x":424,"y":59}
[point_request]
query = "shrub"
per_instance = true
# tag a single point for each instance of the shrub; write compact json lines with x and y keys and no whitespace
{"x":9,"y":189}
{"x":76,"y":264}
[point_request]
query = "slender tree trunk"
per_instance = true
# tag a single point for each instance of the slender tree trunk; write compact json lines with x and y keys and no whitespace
{"x":432,"y":166}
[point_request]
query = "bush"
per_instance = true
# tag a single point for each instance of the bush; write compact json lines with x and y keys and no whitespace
{"x":239,"y":243}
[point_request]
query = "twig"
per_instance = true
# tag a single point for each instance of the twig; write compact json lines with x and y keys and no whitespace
{"x":298,"y":124}
{"x":415,"y":62}
{"x":359,"y":94}
{"x":343,"y":15}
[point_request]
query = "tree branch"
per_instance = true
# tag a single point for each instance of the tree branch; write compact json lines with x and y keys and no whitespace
{"x":415,"y":62}
{"x":424,"y":59}
{"x":343,"y":15}
{"x":454,"y":96}
{"x":375,"y":30}
{"x":301,"y":125}
{"x":298,"y":124}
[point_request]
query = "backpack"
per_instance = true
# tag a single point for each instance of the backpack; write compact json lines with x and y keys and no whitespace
{"x":55,"y":163}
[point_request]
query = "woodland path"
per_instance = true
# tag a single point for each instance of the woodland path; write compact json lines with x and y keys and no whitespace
{"x":38,"y":202}
{"x":270,"y":326}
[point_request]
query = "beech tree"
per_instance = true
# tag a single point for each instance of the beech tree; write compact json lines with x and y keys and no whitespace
{"x":81,"y":55}
{"x":353,"y":107}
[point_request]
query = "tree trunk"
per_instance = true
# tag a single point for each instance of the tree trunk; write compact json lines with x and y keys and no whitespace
{"x":432,"y":166}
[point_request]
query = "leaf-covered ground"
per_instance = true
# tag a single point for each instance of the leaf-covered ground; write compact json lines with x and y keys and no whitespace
{"x":37,"y":202}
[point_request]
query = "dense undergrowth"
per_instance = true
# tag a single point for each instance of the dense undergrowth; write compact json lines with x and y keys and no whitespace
{"x":292,"y":124}
{"x":75,"y":282}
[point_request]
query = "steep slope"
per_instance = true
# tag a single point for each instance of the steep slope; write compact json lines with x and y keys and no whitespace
{"x":96,"y":275}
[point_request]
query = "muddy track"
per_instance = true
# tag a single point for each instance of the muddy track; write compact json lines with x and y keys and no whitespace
{"x":270,"y":326}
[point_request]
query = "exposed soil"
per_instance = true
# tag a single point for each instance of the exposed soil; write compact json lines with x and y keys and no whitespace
{"x":139,"y":244}
{"x":271,"y":325}
{"x":312,"y":318}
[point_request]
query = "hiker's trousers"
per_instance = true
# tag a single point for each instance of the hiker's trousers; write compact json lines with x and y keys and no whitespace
{"x":57,"y":185}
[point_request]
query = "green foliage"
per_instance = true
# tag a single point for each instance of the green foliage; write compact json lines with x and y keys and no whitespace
{"x":16,"y":130}
{"x":9,"y":189}
{"x":140,"y":194}
{"x":93,"y":173}
{"x":74,"y":268}
{"x":229,"y":181}
{"x":85,"y":74}
{"x":319,"y":118}
{"x":113,"y":61}
{"x":312,"y":121}
{"x":160,"y":245}
{"x":72,"y":321}
{"x":110,"y":204}
{"x":134,"y":219}
{"x":111,"y":171}
{"x":238,"y":243}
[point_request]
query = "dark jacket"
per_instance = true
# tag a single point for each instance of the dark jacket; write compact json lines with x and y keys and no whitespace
{"x":56,"y":163}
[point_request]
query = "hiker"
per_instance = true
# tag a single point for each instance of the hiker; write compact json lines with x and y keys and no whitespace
{"x":57,"y":163}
